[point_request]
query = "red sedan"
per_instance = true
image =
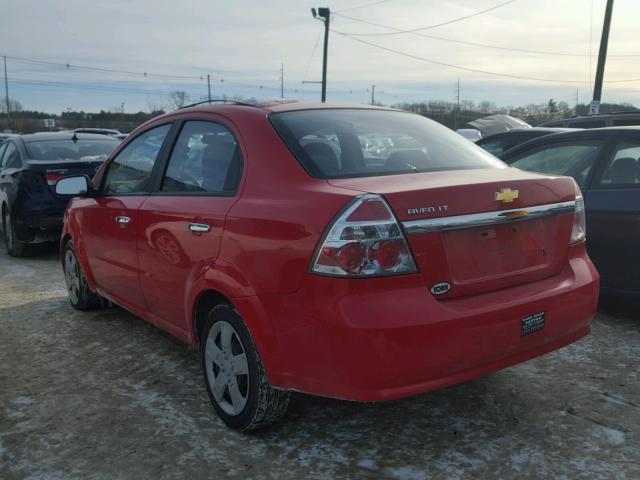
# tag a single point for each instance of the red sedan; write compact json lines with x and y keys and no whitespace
{"x":344,"y":251}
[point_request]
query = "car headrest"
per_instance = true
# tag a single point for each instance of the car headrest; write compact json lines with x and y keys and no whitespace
{"x":406,"y":160}
{"x":323,"y":156}
{"x":624,"y":170}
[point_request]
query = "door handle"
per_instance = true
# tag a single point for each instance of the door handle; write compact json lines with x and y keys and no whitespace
{"x":123,"y":219}
{"x":199,"y":227}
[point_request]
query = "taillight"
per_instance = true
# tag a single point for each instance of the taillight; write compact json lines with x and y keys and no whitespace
{"x":579,"y":229}
{"x":52,"y":178}
{"x":365,"y":241}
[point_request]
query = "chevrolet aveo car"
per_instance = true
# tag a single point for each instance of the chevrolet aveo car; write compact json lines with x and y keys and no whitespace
{"x":295,"y":259}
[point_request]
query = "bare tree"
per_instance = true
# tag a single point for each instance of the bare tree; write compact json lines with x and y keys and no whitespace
{"x":153,"y":107}
{"x":486,"y":106}
{"x":178,"y":98}
{"x":14,"y":105}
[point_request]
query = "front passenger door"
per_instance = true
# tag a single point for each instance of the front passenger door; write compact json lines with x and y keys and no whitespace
{"x":110,"y":220}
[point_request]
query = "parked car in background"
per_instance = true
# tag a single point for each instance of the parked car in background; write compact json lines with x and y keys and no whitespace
{"x":604,"y":162}
{"x":98,"y":131}
{"x":4,"y":136}
{"x":470,"y":134}
{"x":623,"y":119}
{"x":296,"y":263}
{"x":30,"y":165}
{"x":499,"y":143}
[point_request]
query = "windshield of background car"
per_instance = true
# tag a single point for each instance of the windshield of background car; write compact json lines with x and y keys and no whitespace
{"x":346,"y":143}
{"x":60,"y":150}
{"x":571,"y":159}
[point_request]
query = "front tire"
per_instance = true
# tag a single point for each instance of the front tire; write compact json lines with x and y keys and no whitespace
{"x":234,"y":376}
{"x":80,"y":296}
{"x":15,"y":247}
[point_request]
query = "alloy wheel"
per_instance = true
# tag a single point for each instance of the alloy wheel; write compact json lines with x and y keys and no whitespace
{"x":227,"y":368}
{"x":72,"y":276}
{"x":8,"y":232}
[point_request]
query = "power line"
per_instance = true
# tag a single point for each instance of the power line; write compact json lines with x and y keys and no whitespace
{"x":313,"y":53}
{"x":361,"y":6}
{"x":468,"y":69}
{"x":448,"y":22}
{"x":102,"y":69}
{"x":70,"y":66}
{"x":474,"y":44}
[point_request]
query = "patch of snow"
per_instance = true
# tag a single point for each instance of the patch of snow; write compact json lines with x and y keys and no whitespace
{"x":406,"y":473}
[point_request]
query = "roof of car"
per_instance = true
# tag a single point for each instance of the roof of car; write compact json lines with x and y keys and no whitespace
{"x":47,"y":136}
{"x":276,"y":106}
{"x":537,"y":130}
{"x":589,"y":132}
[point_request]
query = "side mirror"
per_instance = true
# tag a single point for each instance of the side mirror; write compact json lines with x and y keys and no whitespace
{"x":73,"y":186}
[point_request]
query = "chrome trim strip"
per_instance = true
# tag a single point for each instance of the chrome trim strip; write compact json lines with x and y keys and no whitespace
{"x":489,"y":218}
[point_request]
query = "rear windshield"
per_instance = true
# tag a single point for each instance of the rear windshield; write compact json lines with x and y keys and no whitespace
{"x":346,"y":143}
{"x":70,"y":150}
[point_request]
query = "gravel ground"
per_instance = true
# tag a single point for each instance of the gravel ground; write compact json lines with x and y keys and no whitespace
{"x":105,"y":395}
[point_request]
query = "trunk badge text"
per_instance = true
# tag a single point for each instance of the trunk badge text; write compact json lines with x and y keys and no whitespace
{"x":426,"y":210}
{"x":506,"y":195}
{"x":440,"y":288}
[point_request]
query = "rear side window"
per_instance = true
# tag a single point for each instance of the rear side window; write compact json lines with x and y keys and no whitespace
{"x":3,"y":147}
{"x":130,"y":171}
{"x":623,"y":168}
{"x":11,"y":157}
{"x":346,"y":143}
{"x":205,"y":159}
{"x":571,"y":159}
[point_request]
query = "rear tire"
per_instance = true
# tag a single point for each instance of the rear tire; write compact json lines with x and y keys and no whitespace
{"x":234,"y":376}
{"x":80,"y":296}
{"x":15,"y":247}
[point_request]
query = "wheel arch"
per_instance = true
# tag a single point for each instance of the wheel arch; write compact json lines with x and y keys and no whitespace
{"x":216,"y":289}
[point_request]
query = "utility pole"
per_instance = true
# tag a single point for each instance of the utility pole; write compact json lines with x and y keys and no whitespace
{"x":577,"y":100}
{"x":6,"y":93}
{"x":456,"y":121}
{"x":282,"y":80}
{"x":209,"y":86}
{"x":325,"y":14}
{"x":602,"y":58}
{"x":373,"y":94}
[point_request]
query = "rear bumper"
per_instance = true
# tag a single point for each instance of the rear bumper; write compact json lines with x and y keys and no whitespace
{"x":379,"y":339}
{"x":40,"y":228}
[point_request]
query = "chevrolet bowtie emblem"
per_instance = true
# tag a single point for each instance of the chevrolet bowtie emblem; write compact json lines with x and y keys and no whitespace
{"x":507,"y":195}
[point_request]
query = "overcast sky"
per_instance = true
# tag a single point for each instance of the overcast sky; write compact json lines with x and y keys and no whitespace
{"x":242,"y":45}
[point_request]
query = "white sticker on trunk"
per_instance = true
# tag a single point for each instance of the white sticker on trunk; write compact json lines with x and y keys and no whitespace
{"x":440,"y":288}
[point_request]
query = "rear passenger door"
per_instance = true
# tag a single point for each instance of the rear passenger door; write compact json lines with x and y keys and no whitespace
{"x":613,"y":215}
{"x":181,"y":222}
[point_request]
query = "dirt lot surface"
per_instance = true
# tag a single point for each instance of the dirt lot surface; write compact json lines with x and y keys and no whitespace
{"x":105,"y":395}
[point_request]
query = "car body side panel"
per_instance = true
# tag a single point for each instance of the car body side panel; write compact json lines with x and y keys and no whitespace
{"x":613,"y":233}
{"x":274,"y":228}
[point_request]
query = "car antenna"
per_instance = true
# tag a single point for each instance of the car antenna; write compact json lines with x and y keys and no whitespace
{"x":74,"y":139}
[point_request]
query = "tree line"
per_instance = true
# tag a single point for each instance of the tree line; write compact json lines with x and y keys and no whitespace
{"x":451,"y":114}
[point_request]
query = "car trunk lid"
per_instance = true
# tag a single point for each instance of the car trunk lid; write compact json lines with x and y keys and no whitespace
{"x":474,"y":231}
